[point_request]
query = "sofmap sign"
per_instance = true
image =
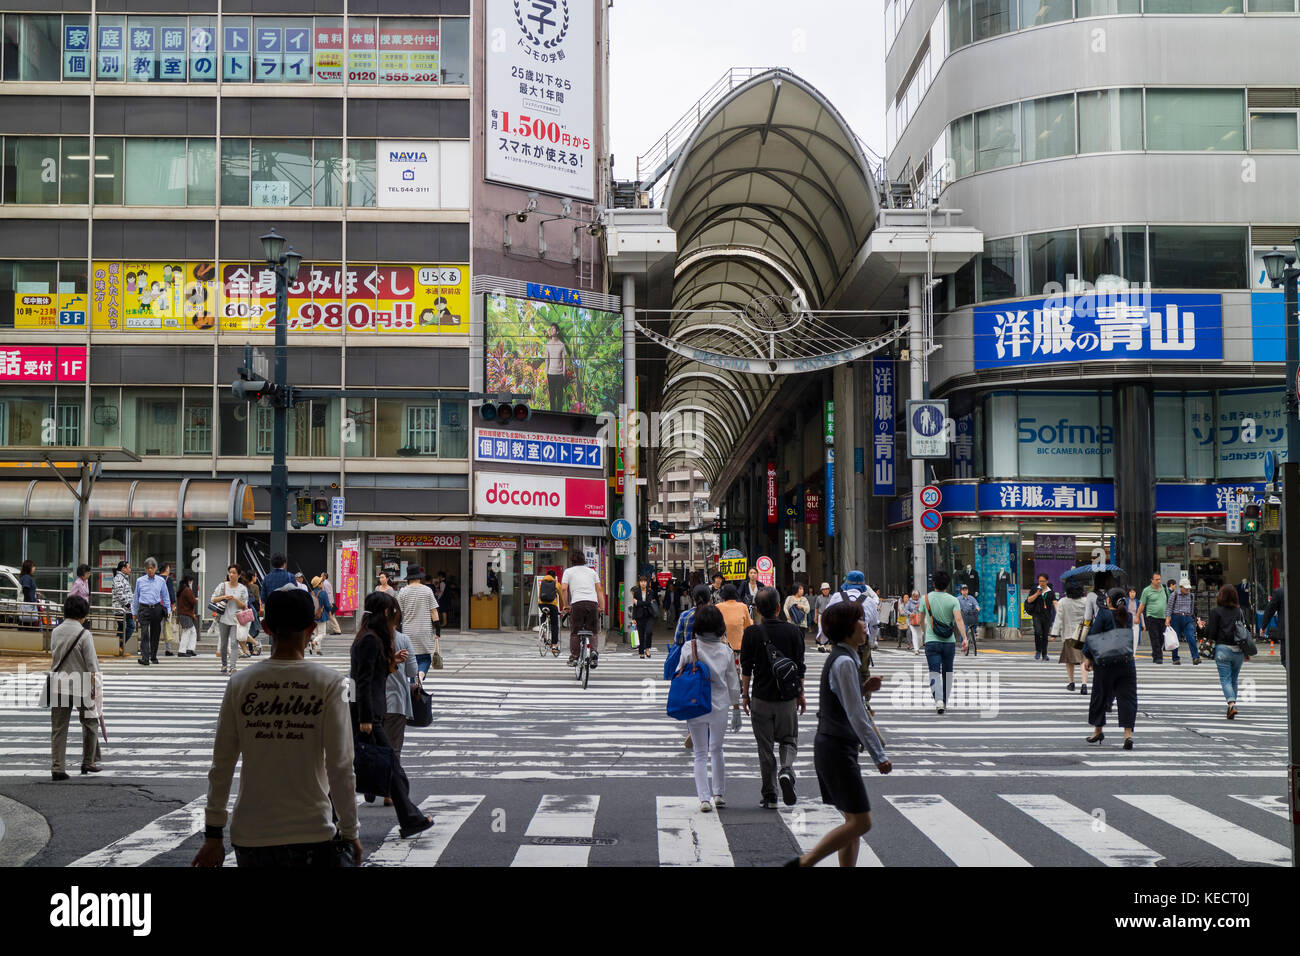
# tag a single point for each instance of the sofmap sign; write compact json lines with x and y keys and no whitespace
{"x":540,"y":79}
{"x":1099,"y":327}
{"x":538,"y":496}
{"x":536,"y":448}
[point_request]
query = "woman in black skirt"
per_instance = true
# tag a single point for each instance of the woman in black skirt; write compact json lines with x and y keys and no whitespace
{"x":1116,"y":680}
{"x":843,"y":730}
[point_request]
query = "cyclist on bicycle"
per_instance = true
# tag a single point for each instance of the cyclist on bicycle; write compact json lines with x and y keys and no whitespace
{"x":548,"y":601}
{"x":583,"y":595}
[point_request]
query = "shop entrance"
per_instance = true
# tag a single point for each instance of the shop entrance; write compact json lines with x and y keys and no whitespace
{"x":438,"y":555}
{"x":540,"y":554}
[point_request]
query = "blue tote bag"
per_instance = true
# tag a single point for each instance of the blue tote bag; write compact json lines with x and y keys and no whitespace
{"x":691,"y":692}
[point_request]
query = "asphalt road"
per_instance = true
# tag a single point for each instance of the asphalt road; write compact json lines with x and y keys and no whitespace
{"x":523,"y":767}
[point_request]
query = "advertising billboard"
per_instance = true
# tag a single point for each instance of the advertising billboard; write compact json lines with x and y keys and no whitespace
{"x":540,"y":80}
{"x":538,"y":496}
{"x":191,"y":296}
{"x":569,"y":358}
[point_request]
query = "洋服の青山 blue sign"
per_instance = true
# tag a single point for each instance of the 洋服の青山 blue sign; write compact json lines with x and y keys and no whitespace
{"x":1197,"y":501}
{"x":1046,"y":498}
{"x":1099,"y":327}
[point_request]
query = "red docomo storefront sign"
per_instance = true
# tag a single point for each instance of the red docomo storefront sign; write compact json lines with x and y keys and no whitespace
{"x":539,"y":496}
{"x":43,"y":363}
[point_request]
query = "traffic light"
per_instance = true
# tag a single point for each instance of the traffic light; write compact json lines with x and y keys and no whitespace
{"x":252,"y":389}
{"x":320,"y":513}
{"x":717,"y":526}
{"x":505,"y":413}
{"x":670,"y":535}
{"x":1250,"y":519}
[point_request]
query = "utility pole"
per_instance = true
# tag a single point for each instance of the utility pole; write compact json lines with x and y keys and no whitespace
{"x":916,"y":356}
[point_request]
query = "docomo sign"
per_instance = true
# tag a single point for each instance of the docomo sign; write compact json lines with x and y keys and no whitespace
{"x":43,"y":363}
{"x":539,"y":495}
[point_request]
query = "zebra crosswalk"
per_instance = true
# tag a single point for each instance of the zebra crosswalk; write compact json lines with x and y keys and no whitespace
{"x":572,"y":830}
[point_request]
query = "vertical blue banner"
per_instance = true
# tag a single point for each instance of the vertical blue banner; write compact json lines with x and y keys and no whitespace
{"x":830,"y":492}
{"x":882,"y":427}
{"x":963,"y":447}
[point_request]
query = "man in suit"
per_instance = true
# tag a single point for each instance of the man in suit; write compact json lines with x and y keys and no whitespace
{"x":1275,"y":608}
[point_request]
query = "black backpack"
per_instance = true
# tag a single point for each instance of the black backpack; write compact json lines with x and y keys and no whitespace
{"x":546,"y":590}
{"x":785,"y":672}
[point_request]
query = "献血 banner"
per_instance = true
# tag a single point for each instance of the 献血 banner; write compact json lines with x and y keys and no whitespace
{"x":540,"y":102}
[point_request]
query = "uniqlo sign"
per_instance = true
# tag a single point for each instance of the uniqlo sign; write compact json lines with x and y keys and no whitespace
{"x":771,"y":493}
{"x":538,"y":496}
{"x":43,"y":363}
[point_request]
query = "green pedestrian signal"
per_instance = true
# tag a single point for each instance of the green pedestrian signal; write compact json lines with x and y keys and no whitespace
{"x":320,"y":515}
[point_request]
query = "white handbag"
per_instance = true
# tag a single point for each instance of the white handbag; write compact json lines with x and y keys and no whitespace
{"x":1171,"y":639}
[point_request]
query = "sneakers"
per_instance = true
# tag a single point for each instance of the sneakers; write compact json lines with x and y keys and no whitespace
{"x":719,"y":802}
{"x":1177,"y":662}
{"x":1196,"y":660}
{"x":706,"y":807}
{"x":786,"y":780}
{"x":766,"y":804}
{"x":938,"y":708}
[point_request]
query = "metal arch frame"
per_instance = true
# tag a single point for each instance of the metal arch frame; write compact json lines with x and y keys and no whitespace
{"x":710,"y":255}
{"x":769,"y":218}
{"x":712,"y":412}
{"x":708,"y":373}
{"x":728,"y":330}
{"x":725,"y":411}
{"x":697,"y":266}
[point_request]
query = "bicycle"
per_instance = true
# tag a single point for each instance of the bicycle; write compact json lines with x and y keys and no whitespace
{"x":586,"y":658}
{"x":544,"y":638}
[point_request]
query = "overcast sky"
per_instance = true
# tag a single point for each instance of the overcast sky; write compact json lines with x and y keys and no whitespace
{"x":665,"y":54}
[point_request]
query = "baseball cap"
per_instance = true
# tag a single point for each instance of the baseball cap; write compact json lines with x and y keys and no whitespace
{"x":826,"y":585}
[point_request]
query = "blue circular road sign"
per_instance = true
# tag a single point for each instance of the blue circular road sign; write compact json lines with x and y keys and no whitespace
{"x":621,"y":529}
{"x":931,"y":520}
{"x":927,"y":420}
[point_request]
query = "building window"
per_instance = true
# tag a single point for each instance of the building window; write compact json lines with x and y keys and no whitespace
{"x":155,"y":172}
{"x":329,"y":174}
{"x":1104,"y":8}
{"x":358,"y":428}
{"x":421,"y":430}
{"x":1180,"y":119}
{"x":197,"y":439}
{"x":31,"y":173}
{"x":67,"y":421}
{"x":1273,"y":131}
{"x":31,"y":48}
{"x":1193,"y":6}
{"x":959,"y":23}
{"x":997,"y":137}
{"x":961,"y":146}
{"x":1199,"y":257}
{"x":1169,"y":451}
{"x":1052,"y":260}
{"x":1108,"y":253}
{"x":151,"y":421}
{"x":1000,"y":269}
{"x":1048,"y":127}
{"x":105,"y":416}
{"x":454,"y":51}
{"x":234,"y":172}
{"x":281,"y":172}
{"x":232,"y":416}
{"x":994,"y":17}
{"x":1035,"y":12}
{"x":1110,"y":120}
{"x":1272,"y":6}
{"x":361,"y":172}
{"x":452,"y":418}
{"x":109,"y":154}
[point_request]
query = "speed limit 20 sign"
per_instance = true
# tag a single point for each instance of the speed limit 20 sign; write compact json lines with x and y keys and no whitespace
{"x":930,"y":496}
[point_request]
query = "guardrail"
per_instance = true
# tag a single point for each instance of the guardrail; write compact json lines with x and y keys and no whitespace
{"x":25,"y":628}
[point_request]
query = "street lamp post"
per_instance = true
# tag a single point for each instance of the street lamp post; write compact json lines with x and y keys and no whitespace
{"x":285,"y":265}
{"x":1281,"y":271}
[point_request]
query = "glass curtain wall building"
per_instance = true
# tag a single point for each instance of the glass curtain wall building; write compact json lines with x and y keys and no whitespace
{"x":1114,"y":356}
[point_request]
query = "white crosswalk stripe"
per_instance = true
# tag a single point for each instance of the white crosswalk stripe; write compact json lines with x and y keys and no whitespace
{"x":960,"y":838}
{"x":688,"y":837}
{"x":1268,"y":802}
{"x":1092,"y":835}
{"x":1221,"y":834}
{"x":153,"y":839}
{"x":808,"y":822}
{"x":560,"y":816}
{"x":425,"y":849}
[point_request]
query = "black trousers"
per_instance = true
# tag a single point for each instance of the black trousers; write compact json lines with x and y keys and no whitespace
{"x":151,"y":618}
{"x":555,"y":392}
{"x":1156,"y":634}
{"x":1042,"y":625}
{"x":399,"y":787}
{"x":645,"y":629}
{"x":1117,"y":682}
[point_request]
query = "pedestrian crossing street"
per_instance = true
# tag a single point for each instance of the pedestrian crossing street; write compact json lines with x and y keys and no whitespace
{"x":568,"y":830}
{"x":1003,"y":778}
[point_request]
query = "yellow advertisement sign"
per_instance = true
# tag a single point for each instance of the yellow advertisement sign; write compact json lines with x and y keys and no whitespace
{"x":189,"y":296}
{"x":733,"y":569}
{"x":153,"y":296}
{"x":46,"y":311}
{"x":380,"y":298}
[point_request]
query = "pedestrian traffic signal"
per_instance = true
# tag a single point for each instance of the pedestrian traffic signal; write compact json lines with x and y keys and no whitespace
{"x":304,"y":511}
{"x":1250,"y":511}
{"x":1250,"y":525}
{"x":320,"y":512}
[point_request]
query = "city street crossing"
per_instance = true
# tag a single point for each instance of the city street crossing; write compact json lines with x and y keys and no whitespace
{"x":522,"y":767}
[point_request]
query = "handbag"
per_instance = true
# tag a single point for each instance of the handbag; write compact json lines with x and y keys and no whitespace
{"x":796,"y":615}
{"x":1171,"y":639}
{"x":633,"y":637}
{"x":690,"y":694}
{"x":938,"y":628}
{"x":215,"y":609}
{"x":244,"y":616}
{"x":421,"y":707}
{"x":436,"y":661}
{"x":671,"y":661}
{"x":914,"y":619}
{"x":1111,"y":647}
{"x":373,"y":765}
{"x":1245,"y":643}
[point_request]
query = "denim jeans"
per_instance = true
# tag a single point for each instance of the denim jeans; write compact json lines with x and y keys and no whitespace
{"x":1229,"y":661}
{"x":326,"y":854}
{"x":423,"y":662}
{"x":1184,"y":626}
{"x":939,"y":655}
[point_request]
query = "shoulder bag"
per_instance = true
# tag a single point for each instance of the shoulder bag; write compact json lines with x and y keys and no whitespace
{"x":938,"y":628}
{"x":796,"y":615}
{"x":373,"y":765}
{"x":690,"y":694}
{"x":672,"y":660}
{"x":421,"y":706}
{"x":1111,"y":647}
{"x":1241,"y":634}
{"x":49,"y":677}
{"x":785,"y":672}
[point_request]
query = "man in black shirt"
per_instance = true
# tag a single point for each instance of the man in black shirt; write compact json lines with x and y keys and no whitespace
{"x":774,"y":711}
{"x":1275,"y":609}
{"x":1041,"y":605}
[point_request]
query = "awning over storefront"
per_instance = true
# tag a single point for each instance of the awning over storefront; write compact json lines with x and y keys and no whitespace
{"x":224,"y":503}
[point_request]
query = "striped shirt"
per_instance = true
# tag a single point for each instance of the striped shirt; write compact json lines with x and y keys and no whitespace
{"x":1182,"y":604}
{"x":418,"y":604}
